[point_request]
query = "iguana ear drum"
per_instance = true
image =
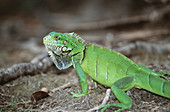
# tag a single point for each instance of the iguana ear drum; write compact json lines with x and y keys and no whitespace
{"x":64,"y":48}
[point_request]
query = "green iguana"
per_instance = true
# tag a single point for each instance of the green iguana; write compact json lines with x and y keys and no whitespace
{"x":105,"y":66}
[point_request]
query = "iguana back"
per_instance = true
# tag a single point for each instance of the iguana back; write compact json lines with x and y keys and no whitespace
{"x":106,"y":66}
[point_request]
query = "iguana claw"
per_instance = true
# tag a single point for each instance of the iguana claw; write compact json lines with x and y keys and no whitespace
{"x":79,"y":94}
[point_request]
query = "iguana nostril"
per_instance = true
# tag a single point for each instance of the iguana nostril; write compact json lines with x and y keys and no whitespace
{"x":44,"y":39}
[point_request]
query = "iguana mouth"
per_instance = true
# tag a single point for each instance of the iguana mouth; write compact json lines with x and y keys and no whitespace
{"x":58,"y":50}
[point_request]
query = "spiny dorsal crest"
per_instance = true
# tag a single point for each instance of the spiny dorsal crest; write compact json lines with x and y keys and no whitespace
{"x":74,"y":35}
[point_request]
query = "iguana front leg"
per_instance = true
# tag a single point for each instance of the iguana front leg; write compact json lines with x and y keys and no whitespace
{"x":82,"y":77}
{"x":118,"y":89}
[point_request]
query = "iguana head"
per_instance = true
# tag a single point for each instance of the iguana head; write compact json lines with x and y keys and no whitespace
{"x":62,"y":46}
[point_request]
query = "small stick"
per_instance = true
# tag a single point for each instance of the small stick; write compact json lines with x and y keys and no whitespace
{"x":37,"y":65}
{"x":64,"y":86}
{"x":106,"y":98}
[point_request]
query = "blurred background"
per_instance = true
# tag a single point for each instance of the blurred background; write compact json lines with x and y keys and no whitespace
{"x":23,"y":23}
{"x":140,"y":29}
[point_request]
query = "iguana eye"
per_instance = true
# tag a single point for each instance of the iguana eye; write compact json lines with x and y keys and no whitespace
{"x":56,"y":37}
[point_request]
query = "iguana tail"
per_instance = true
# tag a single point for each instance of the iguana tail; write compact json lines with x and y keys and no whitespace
{"x":153,"y":84}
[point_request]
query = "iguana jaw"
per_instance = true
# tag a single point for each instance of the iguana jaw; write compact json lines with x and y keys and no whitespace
{"x":56,"y":49}
{"x":59,"y":58}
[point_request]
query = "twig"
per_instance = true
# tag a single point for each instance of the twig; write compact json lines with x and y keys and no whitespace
{"x":64,"y":86}
{"x":106,"y":98}
{"x":142,"y":34}
{"x":155,"y":15}
{"x":157,"y":1}
{"x":38,"y":58}
{"x":148,"y":47}
{"x":37,"y":65}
